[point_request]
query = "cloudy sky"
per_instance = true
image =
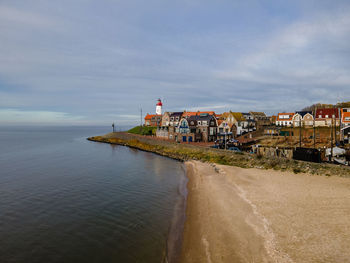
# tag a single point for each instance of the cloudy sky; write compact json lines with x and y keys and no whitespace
{"x":95,"y":62}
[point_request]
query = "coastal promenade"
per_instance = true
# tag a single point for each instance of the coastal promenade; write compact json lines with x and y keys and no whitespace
{"x":278,"y":210}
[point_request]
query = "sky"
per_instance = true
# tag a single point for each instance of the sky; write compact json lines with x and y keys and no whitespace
{"x":86,"y":62}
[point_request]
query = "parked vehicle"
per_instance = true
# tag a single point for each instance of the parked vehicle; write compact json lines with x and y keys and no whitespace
{"x":235,"y":149}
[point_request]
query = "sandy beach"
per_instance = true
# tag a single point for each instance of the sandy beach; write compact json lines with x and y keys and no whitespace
{"x":254,"y":215}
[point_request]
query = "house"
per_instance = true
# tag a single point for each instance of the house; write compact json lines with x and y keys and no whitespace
{"x":242,"y":124}
{"x":284,"y":119}
{"x":249,"y":124}
{"x":163,"y":130}
{"x":261,"y":119}
{"x":304,"y":118}
{"x":200,"y":126}
{"x":237,"y":119}
{"x":226,"y":130}
{"x":174,"y":120}
{"x":345,"y":117}
{"x":183,"y":131}
{"x":166,"y":119}
{"x":206,"y":126}
{"x":153,"y":120}
{"x":327,"y":117}
{"x":273,"y":119}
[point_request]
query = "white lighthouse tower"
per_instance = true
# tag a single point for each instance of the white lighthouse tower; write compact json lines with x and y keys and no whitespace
{"x":159,"y":107}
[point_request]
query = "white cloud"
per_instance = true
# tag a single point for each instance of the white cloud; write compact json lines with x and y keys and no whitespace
{"x":9,"y":116}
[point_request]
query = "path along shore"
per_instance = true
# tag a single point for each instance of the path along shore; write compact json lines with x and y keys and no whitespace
{"x":235,"y":214}
{"x":252,"y":215}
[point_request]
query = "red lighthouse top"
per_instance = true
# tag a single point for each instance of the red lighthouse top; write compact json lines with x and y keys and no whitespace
{"x":159,"y":103}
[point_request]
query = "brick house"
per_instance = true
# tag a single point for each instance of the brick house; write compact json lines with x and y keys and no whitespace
{"x":153,"y":120}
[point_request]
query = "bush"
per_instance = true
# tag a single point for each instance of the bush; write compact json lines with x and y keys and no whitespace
{"x":296,"y":170}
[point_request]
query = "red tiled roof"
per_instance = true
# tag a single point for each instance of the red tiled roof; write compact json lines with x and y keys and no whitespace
{"x":322,"y":113}
{"x":345,"y":117}
{"x":291,"y":114}
{"x":149,"y":116}
{"x":194,"y":113}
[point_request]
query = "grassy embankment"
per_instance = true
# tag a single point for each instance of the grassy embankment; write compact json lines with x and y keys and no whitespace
{"x":190,"y":152}
{"x":143,"y":130}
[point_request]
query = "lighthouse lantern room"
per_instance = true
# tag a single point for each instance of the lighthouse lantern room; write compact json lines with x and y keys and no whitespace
{"x":159,"y":107}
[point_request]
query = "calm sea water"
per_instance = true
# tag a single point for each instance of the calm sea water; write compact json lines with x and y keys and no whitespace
{"x":65,"y":199}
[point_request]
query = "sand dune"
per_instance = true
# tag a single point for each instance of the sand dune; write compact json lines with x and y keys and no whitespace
{"x":252,"y":215}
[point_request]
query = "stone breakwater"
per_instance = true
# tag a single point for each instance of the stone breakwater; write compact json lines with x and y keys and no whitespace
{"x":184,"y":152}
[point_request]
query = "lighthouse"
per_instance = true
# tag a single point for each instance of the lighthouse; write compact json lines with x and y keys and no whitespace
{"x":159,"y":107}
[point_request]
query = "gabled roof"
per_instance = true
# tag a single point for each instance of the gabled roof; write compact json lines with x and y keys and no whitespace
{"x":258,"y":113}
{"x":238,"y":116}
{"x":150,"y":116}
{"x":303,"y":113}
{"x":189,"y":113}
{"x":193,"y":113}
{"x":176,"y":114}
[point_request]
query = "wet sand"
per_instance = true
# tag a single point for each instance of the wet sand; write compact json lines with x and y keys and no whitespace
{"x":252,"y":215}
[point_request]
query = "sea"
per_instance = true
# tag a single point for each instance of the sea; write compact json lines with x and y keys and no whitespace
{"x":66,"y":199}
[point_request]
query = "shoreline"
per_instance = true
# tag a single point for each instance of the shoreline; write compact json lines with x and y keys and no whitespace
{"x":185,"y":152}
{"x":250,"y":215}
{"x":225,"y":220}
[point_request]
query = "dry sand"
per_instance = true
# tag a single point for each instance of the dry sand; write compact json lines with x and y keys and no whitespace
{"x":252,"y":215}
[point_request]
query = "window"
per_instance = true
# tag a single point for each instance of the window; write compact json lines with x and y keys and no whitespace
{"x":177,"y":118}
{"x":171,"y":118}
{"x":320,"y":116}
{"x":326,"y":116}
{"x":192,"y":122}
{"x":204,"y":123}
{"x":199,"y":122}
{"x":212,"y":123}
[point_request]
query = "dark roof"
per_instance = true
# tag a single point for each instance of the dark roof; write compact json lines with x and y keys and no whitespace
{"x":303,"y":113}
{"x":176,"y":114}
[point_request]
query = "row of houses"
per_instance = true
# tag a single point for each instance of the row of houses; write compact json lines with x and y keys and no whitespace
{"x":321,"y":118}
{"x":207,"y":126}
{"x":327,"y":117}
{"x":204,"y":126}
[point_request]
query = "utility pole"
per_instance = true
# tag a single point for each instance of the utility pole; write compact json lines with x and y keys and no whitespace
{"x":314,"y":128}
{"x":330,"y":159}
{"x":300,"y":131}
{"x":335,"y":128}
{"x":140,"y":119}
